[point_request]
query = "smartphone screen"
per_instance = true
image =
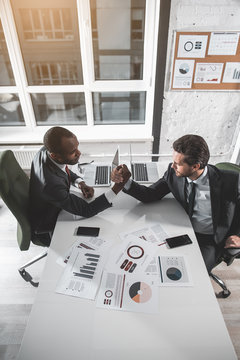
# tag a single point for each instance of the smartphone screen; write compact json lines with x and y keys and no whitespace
{"x":88,"y":231}
{"x":178,"y":241}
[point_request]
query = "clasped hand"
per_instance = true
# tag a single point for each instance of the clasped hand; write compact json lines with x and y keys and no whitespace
{"x":120,"y":174}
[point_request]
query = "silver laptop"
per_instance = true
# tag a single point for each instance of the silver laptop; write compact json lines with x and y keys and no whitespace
{"x":144,"y":172}
{"x":99,"y":173}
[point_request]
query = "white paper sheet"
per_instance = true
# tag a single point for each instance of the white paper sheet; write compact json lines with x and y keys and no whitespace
{"x":183,"y":74}
{"x":232,"y":72}
{"x":82,"y":275}
{"x":223,"y":43}
{"x":153,"y":233}
{"x":131,"y":256}
{"x":208,"y":73}
{"x":85,"y":242}
{"x":192,"y":46}
{"x":124,"y":292}
{"x":169,"y":270}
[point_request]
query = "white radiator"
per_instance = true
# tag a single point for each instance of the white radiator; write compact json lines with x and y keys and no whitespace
{"x":23,"y":154}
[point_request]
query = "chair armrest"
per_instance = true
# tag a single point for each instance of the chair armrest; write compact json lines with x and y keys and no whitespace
{"x":230,"y":254}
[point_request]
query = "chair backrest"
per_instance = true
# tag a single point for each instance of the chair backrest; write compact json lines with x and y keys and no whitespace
{"x":14,"y":190}
{"x":231,"y":253}
{"x":228,"y":166}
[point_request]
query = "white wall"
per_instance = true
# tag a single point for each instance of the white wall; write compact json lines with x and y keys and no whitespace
{"x":211,"y":114}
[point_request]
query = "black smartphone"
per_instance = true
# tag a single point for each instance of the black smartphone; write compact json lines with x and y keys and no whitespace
{"x":88,"y":231}
{"x":178,"y":241}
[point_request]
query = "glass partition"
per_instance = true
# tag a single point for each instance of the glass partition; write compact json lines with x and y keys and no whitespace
{"x":10,"y":110}
{"x":59,"y":108}
{"x":118,"y":38}
{"x":49,"y":39}
{"x":119,"y":107}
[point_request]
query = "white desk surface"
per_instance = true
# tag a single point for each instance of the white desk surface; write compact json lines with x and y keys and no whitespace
{"x":189,"y":325}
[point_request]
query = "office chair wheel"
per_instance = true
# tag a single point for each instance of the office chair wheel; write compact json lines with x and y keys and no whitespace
{"x":225,"y":293}
{"x":27,"y":277}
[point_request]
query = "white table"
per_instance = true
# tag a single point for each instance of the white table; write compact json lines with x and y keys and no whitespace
{"x":189,"y":325}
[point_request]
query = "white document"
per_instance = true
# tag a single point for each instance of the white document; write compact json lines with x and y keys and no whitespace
{"x":192,"y":46}
{"x":223,"y":43}
{"x":169,"y":270}
{"x":123,"y":292}
{"x":208,"y":73}
{"x":85,"y":242}
{"x":183,"y":74}
{"x":232,"y":72}
{"x":173,"y":271}
{"x":153,"y":233}
{"x":82,"y":275}
{"x":131,"y":256}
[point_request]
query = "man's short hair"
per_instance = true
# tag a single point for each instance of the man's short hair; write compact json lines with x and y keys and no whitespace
{"x":194,"y":148}
{"x":53,"y":139}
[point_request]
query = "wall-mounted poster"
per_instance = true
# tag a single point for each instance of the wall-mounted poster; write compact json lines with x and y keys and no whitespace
{"x":223,"y":43}
{"x":232,"y":72}
{"x":208,"y":73}
{"x":206,"y":60}
{"x":183,"y":73}
{"x":192,"y":46}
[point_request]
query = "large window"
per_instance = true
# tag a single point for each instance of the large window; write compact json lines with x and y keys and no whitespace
{"x":88,"y":63}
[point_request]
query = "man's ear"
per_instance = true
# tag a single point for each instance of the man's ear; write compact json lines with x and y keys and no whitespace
{"x":196,"y":167}
{"x":56,"y":157}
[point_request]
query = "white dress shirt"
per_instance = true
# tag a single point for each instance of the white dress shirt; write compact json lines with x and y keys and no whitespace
{"x":202,"y":209}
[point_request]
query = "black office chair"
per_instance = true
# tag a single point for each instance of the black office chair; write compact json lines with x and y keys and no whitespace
{"x":229,"y":254}
{"x":14,"y":190}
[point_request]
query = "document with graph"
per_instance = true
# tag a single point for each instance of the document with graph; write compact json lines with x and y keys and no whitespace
{"x":128,"y":293}
{"x":82,"y":275}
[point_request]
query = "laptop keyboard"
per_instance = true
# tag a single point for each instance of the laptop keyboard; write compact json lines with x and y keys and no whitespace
{"x":139,"y":171}
{"x":102,"y":175}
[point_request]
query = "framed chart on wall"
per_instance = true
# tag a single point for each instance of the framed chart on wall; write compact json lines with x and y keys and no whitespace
{"x":206,"y":61}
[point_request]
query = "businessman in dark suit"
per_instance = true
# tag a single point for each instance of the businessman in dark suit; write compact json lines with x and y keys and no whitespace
{"x":50,"y":182}
{"x":210,"y":196}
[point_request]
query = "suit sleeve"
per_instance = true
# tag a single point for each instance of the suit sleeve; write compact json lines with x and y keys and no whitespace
{"x":59,"y":196}
{"x":152,"y":193}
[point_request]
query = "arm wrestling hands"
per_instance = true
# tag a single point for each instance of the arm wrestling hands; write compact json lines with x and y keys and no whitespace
{"x":120,"y":176}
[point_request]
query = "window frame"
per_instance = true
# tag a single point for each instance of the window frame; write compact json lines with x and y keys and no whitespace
{"x":89,"y":132}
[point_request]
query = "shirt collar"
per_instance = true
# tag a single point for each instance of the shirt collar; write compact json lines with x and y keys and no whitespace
{"x":60,"y":166}
{"x":201,"y":179}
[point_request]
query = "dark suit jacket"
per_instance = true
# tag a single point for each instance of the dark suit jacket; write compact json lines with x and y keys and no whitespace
{"x":49,"y":193}
{"x":224,"y":192}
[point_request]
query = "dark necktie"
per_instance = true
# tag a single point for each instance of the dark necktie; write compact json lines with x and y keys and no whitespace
{"x":191,"y":198}
{"x":68,"y":174}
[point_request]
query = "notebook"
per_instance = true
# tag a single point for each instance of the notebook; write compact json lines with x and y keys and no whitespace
{"x":99,"y":173}
{"x":144,"y":172}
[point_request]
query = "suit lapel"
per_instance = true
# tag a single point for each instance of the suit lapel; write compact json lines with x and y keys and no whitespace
{"x":215,"y":190}
{"x":181,"y":190}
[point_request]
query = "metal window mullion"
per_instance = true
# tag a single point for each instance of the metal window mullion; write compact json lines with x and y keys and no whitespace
{"x":41,"y":22}
{"x":62,"y":28}
{"x":32,"y":23}
{"x":52,"y":22}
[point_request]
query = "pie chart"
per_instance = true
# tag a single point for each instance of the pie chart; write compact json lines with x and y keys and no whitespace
{"x":184,"y":68}
{"x":140,"y":292}
{"x":174,"y":273}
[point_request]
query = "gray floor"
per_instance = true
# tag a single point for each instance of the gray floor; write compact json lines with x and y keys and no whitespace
{"x":17,"y":296}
